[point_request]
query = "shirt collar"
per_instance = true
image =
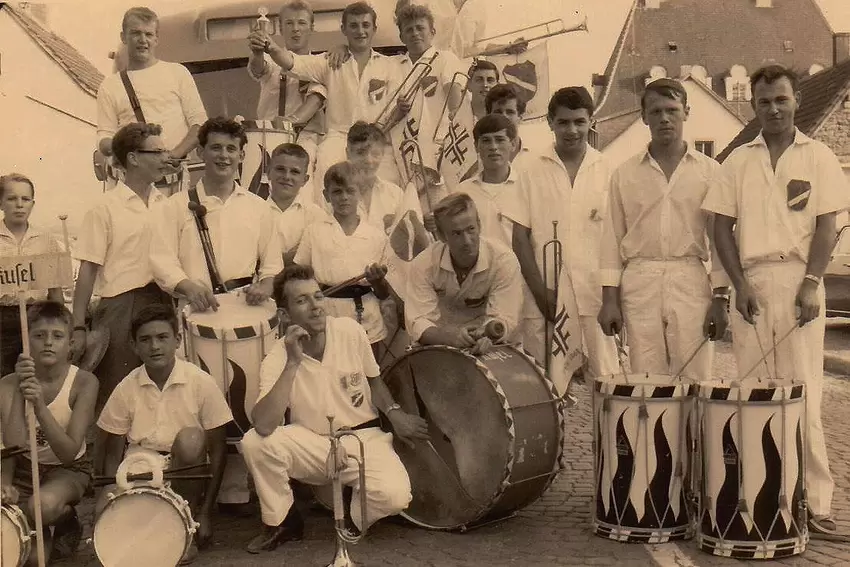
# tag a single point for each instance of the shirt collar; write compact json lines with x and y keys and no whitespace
{"x":591,"y":156}
{"x":202,"y":194}
{"x":32,"y":232}
{"x":799,"y":138}
{"x":295,"y":204}
{"x":690,"y":152}
{"x":428,"y":54}
{"x":122,"y":190}
{"x":177,"y":376}
{"x":512,"y":177}
{"x":483,"y":263}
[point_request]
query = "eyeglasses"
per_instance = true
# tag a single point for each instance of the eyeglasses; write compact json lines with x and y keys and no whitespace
{"x":156,"y":152}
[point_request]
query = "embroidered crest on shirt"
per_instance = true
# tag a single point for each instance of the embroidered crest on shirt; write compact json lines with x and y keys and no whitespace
{"x":377,"y":90}
{"x":353,"y":383}
{"x":798,"y":194}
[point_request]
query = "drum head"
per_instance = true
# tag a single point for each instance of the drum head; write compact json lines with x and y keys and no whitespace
{"x":234,"y":313}
{"x":12,"y":544}
{"x":456,"y":476}
{"x":122,"y":540}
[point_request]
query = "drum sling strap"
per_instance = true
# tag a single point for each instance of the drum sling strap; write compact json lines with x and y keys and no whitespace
{"x":353,"y":292}
{"x":204,"y":233}
{"x":134,"y":100}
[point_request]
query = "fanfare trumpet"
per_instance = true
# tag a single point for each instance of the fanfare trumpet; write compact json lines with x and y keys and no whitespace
{"x":464,"y":82}
{"x":427,"y":180}
{"x":543,"y":30}
{"x":406,"y":90}
{"x":343,"y":535}
{"x":556,"y":248}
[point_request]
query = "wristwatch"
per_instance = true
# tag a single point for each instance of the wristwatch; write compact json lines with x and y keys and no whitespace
{"x":813,"y":278}
{"x":393,"y":406}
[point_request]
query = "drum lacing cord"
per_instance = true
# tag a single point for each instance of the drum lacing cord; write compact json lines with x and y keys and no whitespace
{"x":769,"y":352}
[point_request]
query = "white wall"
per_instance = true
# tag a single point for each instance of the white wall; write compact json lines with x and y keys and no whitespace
{"x":708,"y":120}
{"x":53,"y":149}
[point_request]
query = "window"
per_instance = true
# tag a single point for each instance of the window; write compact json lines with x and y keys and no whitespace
{"x":705,"y":146}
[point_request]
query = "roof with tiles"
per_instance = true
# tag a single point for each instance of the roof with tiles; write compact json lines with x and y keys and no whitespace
{"x":80,"y":69}
{"x":820,"y":94}
{"x":716,"y":34}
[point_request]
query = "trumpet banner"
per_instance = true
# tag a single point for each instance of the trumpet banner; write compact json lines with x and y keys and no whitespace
{"x":529,"y":73}
{"x":407,"y":238}
{"x":565,"y":344}
{"x":458,"y":160}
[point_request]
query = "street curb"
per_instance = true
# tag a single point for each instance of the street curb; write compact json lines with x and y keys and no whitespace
{"x":835,"y":364}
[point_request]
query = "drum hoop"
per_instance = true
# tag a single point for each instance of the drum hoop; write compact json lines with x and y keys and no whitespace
{"x":233,"y":334}
{"x":19,"y":520}
{"x":794,"y":391}
{"x":638,"y":391}
{"x":505,"y":483}
{"x":180,"y":505}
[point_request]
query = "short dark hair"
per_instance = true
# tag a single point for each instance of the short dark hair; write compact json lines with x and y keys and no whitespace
{"x":772,"y":73}
{"x":452,"y":205}
{"x":343,"y":173}
{"x":49,"y":310}
{"x":222,"y":125}
{"x":501,"y":93}
{"x":669,"y":88}
{"x":293,"y":272}
{"x":15,"y":178}
{"x":492,"y":123}
{"x":131,"y":137}
{"x":406,"y":13}
{"x":483,"y":65}
{"x":142,"y":13}
{"x":292,"y":150}
{"x":365,"y":132}
{"x":573,"y":98}
{"x":151,"y":313}
{"x":359,"y":9}
{"x":297,"y":6}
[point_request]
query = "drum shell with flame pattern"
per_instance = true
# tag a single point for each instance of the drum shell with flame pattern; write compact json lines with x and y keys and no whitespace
{"x":642,"y":440}
{"x":753,"y":471}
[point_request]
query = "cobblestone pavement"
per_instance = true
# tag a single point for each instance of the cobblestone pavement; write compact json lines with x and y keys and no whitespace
{"x":553,"y":531}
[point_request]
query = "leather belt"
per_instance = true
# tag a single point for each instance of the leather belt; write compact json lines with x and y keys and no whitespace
{"x":238,"y":282}
{"x":367,"y":424}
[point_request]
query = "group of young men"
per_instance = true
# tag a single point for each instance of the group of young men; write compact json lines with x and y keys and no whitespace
{"x":636,"y":243}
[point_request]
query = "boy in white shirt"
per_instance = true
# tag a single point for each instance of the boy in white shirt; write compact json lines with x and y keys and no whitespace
{"x":503,"y":99}
{"x":293,"y":210}
{"x":339,"y":247}
{"x":172,"y":414}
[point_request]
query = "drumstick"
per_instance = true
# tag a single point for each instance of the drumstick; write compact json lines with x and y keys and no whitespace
{"x":106,"y":480}
{"x":773,"y":348}
{"x":349,"y":282}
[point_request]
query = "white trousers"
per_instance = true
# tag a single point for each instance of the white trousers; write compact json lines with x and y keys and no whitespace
{"x":293,"y":451}
{"x":799,"y":356}
{"x":664,"y":305}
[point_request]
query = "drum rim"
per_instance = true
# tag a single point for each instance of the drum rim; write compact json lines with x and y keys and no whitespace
{"x":504,"y":483}
{"x":260,"y":328}
{"x":178,"y":503}
{"x":18,"y":519}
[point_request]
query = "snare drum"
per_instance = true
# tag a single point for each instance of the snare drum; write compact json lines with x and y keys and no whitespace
{"x":496,"y":428}
{"x":142,"y":527}
{"x":16,"y":537}
{"x":641,"y":454}
{"x":263,"y":137}
{"x":230,"y":345}
{"x":753,"y":468}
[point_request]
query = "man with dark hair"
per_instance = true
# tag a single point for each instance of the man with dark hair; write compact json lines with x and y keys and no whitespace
{"x":113,"y":250}
{"x":293,"y":210}
{"x":483,"y":76}
{"x":459,"y":285}
{"x":503,"y":99}
{"x":300,"y":102}
{"x":166,"y":91}
{"x":775,"y":200}
{"x":322,"y":366}
{"x":169,"y":412}
{"x":245,"y":248}
{"x":655,"y":246}
{"x":19,"y":237}
{"x":568,"y":183}
{"x":358,"y":90}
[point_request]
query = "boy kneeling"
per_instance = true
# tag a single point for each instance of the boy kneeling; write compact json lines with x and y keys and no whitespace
{"x":170,"y":410}
{"x":62,"y":397}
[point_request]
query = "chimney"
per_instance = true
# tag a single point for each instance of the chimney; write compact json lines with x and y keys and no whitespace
{"x":37,"y":11}
{"x":840,"y":47}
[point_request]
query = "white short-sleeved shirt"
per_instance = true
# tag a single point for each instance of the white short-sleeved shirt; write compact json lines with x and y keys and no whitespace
{"x":151,"y":418}
{"x":337,"y":385}
{"x":35,"y":241}
{"x":167,"y":94}
{"x":116,"y":235}
{"x":491,"y":291}
{"x":774,"y":222}
{"x":268,"y":106}
{"x":490,"y":199}
{"x":351,"y":96}
{"x":385,"y":204}
{"x":292,"y":222}
{"x":242,"y":230}
{"x":546,"y":194}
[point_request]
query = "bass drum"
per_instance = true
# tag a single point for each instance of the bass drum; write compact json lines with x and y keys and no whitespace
{"x":496,"y":428}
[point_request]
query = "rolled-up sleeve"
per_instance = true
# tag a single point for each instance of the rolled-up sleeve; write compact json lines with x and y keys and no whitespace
{"x":190,"y":99}
{"x":117,"y":416}
{"x":271,"y":368}
{"x":165,"y":242}
{"x":107,"y":113}
{"x":94,"y":236}
{"x":722,"y":195}
{"x":613,"y":231}
{"x":834,"y":191}
{"x":213,"y":411}
{"x":517,"y":205}
{"x":421,"y":306}
{"x":270,"y":253}
{"x":504,"y":302}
